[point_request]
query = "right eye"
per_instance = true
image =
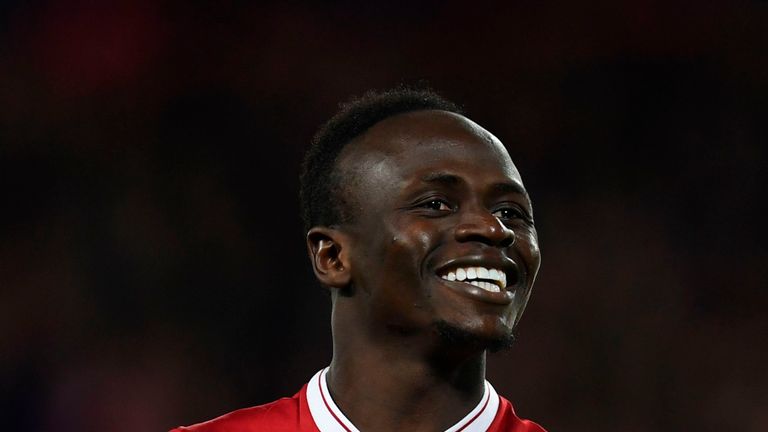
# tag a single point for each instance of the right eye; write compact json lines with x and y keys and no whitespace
{"x":436,"y":204}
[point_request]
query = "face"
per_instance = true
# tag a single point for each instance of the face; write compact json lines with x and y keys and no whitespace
{"x":442,"y":232}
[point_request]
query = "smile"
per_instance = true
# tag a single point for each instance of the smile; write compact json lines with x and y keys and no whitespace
{"x":489,"y":279}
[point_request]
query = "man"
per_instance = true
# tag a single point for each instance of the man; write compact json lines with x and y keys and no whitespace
{"x":420,"y":227}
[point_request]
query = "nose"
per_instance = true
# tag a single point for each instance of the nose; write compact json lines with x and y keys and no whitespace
{"x":482,"y":226}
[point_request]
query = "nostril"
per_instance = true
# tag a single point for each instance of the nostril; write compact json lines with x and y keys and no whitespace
{"x":491,"y":232}
{"x":509,"y":239}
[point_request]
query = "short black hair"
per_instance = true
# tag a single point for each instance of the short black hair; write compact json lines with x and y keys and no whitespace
{"x":320,"y":182}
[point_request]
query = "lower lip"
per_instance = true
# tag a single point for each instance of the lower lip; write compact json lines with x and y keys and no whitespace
{"x":503,"y":298}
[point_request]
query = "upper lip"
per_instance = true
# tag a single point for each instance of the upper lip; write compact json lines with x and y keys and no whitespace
{"x":499,"y":262}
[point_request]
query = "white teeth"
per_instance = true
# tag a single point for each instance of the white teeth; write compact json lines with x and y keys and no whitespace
{"x":492,"y":287}
{"x":483,"y":273}
{"x":493,"y":274}
{"x":461,"y":274}
{"x":472,"y":273}
{"x":489,"y":274}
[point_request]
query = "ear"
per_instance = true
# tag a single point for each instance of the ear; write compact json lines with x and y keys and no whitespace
{"x":329,"y":253}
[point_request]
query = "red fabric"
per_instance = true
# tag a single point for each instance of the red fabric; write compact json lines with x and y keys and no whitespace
{"x":292,"y":415}
{"x":283,"y":415}
{"x":507,"y":421}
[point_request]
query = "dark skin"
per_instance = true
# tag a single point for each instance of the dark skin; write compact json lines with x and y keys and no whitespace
{"x":430,"y":192}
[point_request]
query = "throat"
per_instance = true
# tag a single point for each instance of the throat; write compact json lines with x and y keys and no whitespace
{"x":406,"y":395}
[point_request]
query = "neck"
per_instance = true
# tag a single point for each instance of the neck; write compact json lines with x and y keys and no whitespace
{"x":388,"y":386}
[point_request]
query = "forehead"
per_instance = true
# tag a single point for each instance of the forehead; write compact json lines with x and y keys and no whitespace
{"x":423,"y":142}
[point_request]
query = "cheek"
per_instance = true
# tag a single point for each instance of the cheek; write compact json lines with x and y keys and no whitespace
{"x":393,"y":272}
{"x":529,"y":247}
{"x":409,"y":236}
{"x":535,"y":252}
{"x":406,"y":254}
{"x":403,"y":265}
{"x":413,"y":243}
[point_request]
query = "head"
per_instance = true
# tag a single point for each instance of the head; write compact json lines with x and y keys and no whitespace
{"x":418,"y":223}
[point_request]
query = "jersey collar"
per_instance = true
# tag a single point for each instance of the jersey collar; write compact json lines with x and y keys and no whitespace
{"x":329,"y":418}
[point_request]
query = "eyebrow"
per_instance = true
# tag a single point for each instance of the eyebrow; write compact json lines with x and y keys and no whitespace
{"x":443,"y":178}
{"x":504,"y":188}
{"x":453,"y":180}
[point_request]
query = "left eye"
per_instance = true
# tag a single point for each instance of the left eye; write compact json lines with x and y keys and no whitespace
{"x":509,"y":213}
{"x":436,"y":204}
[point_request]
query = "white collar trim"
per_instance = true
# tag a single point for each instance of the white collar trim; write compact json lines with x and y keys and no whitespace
{"x":329,"y":418}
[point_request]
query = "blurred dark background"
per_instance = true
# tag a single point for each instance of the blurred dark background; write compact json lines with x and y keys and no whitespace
{"x":152,"y":265}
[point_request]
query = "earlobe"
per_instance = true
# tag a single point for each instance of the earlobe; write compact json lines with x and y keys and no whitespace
{"x":328,"y":253}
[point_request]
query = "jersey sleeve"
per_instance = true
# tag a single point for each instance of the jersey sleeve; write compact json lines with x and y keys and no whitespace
{"x":283,"y":415}
{"x":507,"y":421}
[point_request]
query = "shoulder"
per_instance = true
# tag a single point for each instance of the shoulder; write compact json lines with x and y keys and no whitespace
{"x":507,"y":420}
{"x":284,"y":414}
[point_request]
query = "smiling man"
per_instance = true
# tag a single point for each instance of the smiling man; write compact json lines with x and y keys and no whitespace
{"x":420,"y":227}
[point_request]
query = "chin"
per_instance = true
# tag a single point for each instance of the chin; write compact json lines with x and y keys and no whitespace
{"x":453,"y":334}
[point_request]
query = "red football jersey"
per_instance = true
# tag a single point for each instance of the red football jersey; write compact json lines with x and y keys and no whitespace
{"x":312,"y":410}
